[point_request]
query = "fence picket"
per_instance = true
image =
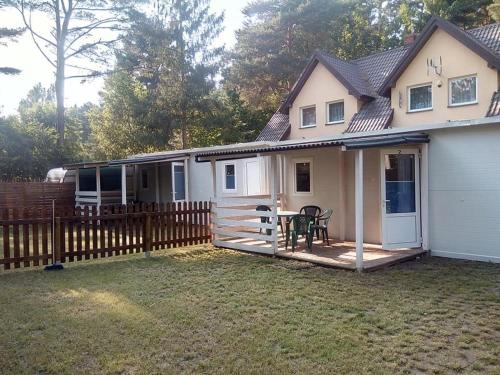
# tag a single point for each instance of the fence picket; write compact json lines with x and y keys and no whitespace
{"x":83,"y":233}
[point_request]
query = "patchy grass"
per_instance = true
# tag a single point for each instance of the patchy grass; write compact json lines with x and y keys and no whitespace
{"x":216,"y":311}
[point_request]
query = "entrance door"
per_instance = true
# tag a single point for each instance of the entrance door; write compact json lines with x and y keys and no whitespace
{"x":178,"y":182}
{"x":253,"y":177}
{"x":400,"y":179}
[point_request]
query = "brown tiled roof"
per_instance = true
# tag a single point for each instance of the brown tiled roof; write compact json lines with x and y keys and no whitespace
{"x":377,"y":67}
{"x":276,"y":129}
{"x":488,"y":35}
{"x":477,"y":40}
{"x":370,"y":78}
{"x":494,"y":109}
{"x":374,"y":115}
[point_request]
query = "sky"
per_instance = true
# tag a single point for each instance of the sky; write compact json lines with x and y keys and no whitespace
{"x":24,"y":55}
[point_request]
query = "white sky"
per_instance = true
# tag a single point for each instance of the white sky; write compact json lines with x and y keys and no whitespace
{"x":24,"y":55}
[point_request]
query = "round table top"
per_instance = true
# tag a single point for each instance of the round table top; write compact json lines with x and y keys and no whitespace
{"x":287,"y":213}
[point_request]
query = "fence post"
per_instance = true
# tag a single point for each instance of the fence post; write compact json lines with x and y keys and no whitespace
{"x":56,"y":249}
{"x":147,"y":236}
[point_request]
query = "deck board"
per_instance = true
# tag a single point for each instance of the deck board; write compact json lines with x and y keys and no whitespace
{"x":339,"y":254}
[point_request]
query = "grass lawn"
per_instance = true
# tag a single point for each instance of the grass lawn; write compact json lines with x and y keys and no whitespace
{"x":202,"y":310}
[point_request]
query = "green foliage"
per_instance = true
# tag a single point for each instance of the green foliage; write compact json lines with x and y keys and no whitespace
{"x":165,"y":75}
{"x":8,"y":34}
{"x":279,"y":36}
{"x":494,"y":10}
{"x":29,"y":142}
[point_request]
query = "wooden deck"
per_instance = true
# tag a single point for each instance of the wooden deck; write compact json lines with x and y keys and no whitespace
{"x":343,"y":255}
{"x":338,"y":254}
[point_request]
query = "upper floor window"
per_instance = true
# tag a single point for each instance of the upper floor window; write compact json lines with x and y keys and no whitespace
{"x":335,"y":112}
{"x":420,"y":98}
{"x":463,"y":90}
{"x":229,"y":177}
{"x":308,"y":116}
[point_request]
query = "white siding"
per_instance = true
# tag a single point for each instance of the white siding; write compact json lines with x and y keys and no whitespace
{"x":200,"y":181}
{"x":464,"y":193}
{"x":241,"y":176}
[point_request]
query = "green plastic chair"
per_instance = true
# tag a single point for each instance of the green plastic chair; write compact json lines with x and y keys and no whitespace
{"x":301,"y":226}
{"x":322,"y":224}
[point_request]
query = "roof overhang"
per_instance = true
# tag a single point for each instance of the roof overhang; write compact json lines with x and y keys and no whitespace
{"x":86,"y":165}
{"x":346,"y":144}
{"x":148,"y":159}
{"x":432,"y":25}
{"x":351,"y":141}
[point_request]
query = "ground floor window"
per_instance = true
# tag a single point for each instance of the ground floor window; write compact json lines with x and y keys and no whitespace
{"x":303,"y":176}
{"x":229,"y":177}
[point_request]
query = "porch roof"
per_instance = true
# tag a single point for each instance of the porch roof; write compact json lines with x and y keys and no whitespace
{"x":346,"y":144}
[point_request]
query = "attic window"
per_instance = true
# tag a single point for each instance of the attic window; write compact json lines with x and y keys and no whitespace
{"x":420,"y":98}
{"x":335,"y":112}
{"x":308,"y":116}
{"x":463,"y":90}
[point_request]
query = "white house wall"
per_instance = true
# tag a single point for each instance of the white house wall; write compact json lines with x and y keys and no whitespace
{"x":464,"y":193}
{"x":241,"y":176}
{"x":200,"y":181}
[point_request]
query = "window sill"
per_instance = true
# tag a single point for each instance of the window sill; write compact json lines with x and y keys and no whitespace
{"x":420,"y":110}
{"x":335,"y":122}
{"x":462,"y":105}
{"x":303,"y":193}
{"x":307,"y":126}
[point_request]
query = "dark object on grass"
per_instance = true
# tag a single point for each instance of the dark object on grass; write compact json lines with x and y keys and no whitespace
{"x":54,"y":267}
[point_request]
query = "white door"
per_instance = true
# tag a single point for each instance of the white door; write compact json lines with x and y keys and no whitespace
{"x":253,"y":177}
{"x":400,"y":179}
{"x":178,"y":182}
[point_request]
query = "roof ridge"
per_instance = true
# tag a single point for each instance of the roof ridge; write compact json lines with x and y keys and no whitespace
{"x":381,"y":52}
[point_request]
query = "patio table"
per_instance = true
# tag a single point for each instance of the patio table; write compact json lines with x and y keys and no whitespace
{"x":286,"y":215}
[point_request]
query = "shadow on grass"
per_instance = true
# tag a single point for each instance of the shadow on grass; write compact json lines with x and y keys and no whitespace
{"x":208,"y":310}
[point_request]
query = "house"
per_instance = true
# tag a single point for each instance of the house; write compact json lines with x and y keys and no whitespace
{"x":403,"y":145}
{"x":162,"y":177}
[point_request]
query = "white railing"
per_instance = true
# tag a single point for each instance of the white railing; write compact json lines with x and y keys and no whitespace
{"x":236,"y":224}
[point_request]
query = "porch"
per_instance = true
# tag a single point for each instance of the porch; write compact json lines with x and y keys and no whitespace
{"x":338,"y":254}
{"x":376,"y":188}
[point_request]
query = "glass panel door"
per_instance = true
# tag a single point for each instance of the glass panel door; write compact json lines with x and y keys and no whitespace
{"x":399,"y":183}
{"x":178,"y":182}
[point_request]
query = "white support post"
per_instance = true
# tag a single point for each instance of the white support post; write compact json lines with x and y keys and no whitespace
{"x":77,"y":185}
{"x":157,"y":183}
{"x":186,"y":180}
{"x":124,"y":184}
{"x":213,"y":208}
{"x":358,"y":170}
{"x":274,"y":181}
{"x":342,"y":195}
{"x":425,"y":196}
{"x":98,"y":189}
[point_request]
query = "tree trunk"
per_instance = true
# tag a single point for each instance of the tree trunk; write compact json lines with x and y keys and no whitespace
{"x":60,"y":99}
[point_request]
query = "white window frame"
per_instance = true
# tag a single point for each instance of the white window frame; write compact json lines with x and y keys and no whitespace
{"x":450,"y":80}
{"x":408,"y":95}
{"x":311,"y":176}
{"x":173,"y":165}
{"x":224,"y":188}
{"x":301,"y":110}
{"x":328,"y":112}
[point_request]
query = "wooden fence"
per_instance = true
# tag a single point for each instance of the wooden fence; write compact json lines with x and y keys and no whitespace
{"x":36,"y":194}
{"x":33,"y":237}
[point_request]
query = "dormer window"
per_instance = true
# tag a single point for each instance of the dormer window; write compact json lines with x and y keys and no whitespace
{"x":335,"y":112}
{"x":463,"y":91}
{"x":308,"y":116}
{"x":420,"y":98}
